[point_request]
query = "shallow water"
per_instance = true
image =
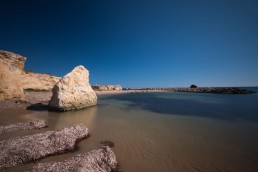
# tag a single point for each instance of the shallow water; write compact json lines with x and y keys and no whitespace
{"x":163,"y":131}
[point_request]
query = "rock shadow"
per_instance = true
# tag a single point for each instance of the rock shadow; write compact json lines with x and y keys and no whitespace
{"x":38,"y":107}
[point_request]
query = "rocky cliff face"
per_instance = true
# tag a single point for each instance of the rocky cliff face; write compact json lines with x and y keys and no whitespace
{"x":13,"y":79}
{"x":73,"y":91}
{"x":107,"y":87}
{"x":11,"y":68}
{"x":38,"y":82}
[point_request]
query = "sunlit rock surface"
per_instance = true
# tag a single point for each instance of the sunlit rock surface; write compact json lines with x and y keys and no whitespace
{"x":11,"y":68}
{"x":38,"y":82}
{"x":73,"y":91}
{"x":107,"y":87}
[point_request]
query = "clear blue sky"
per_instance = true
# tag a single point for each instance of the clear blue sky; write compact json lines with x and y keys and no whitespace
{"x":137,"y":43}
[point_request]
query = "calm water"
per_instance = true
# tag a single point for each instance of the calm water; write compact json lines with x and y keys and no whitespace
{"x":163,"y":131}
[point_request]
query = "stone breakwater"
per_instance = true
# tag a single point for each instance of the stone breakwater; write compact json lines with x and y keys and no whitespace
{"x":102,"y":160}
{"x":25,"y":149}
{"x":37,"y":124}
{"x":215,"y":90}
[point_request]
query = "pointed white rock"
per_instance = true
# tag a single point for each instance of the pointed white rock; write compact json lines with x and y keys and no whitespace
{"x":73,"y":91}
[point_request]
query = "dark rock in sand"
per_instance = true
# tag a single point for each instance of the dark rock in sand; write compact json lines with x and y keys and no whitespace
{"x":21,"y":150}
{"x":37,"y":124}
{"x":102,"y":160}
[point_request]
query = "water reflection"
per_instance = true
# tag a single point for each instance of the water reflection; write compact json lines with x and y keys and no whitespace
{"x":59,"y":120}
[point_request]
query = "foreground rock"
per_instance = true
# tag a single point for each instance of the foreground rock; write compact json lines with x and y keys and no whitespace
{"x":21,"y":150}
{"x":11,"y":68}
{"x":107,"y":87}
{"x":102,"y":160}
{"x":73,"y":91}
{"x":37,"y":124}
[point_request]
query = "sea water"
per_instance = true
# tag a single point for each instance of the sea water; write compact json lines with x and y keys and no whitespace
{"x":179,"y":132}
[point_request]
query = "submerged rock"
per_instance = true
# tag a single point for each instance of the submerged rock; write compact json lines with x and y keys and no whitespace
{"x":102,"y":160}
{"x":73,"y":91}
{"x":37,"y":124}
{"x":21,"y":150}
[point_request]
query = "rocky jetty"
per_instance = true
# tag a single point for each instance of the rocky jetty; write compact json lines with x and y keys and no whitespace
{"x":107,"y":87}
{"x":37,"y":124}
{"x":25,"y":149}
{"x":11,"y":68}
{"x":73,"y":91}
{"x":102,"y":160}
{"x":215,"y":90}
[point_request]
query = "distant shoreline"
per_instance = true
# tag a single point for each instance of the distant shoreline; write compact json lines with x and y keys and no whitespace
{"x":214,"y":90}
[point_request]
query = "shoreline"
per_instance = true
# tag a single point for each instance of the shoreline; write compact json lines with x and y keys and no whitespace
{"x":40,"y":99}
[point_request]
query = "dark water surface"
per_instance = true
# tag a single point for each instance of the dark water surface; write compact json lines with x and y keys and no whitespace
{"x":168,"y":132}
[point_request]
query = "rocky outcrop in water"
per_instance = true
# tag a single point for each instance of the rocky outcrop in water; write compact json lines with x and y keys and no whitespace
{"x":11,"y":68}
{"x":37,"y":124}
{"x":73,"y":91}
{"x":102,"y":160}
{"x":25,"y":149}
{"x":107,"y":87}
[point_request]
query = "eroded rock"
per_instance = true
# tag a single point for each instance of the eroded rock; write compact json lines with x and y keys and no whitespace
{"x":38,"y":82}
{"x":102,"y":160}
{"x":11,"y":68}
{"x":24,"y":149}
{"x":37,"y":124}
{"x":73,"y":91}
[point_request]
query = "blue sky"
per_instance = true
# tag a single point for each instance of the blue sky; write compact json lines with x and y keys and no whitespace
{"x":137,"y":43}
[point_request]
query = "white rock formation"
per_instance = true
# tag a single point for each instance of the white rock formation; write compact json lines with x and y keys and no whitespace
{"x":73,"y":91}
